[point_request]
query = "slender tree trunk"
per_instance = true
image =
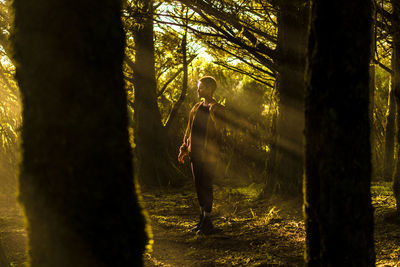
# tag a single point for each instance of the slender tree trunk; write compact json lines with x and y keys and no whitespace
{"x":396,"y":90}
{"x":288,"y":163}
{"x":154,"y":165}
{"x":338,"y":210}
{"x":174,"y":123}
{"x":178,"y":104}
{"x":76,"y":180}
{"x":390,"y":136}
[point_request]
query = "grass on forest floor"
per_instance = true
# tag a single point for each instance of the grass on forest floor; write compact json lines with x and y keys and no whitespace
{"x":250,"y":231}
{"x":253,"y":232}
{"x":12,"y":231}
{"x":387,"y":226}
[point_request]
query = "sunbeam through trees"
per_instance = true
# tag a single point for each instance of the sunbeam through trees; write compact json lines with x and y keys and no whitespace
{"x":199,"y":133}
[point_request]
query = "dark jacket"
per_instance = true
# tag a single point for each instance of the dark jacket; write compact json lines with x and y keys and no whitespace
{"x":214,"y":132}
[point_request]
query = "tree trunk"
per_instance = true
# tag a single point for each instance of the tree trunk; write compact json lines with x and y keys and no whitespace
{"x":154,"y":167}
{"x":76,"y":179}
{"x":288,"y":163}
{"x":390,"y":136}
{"x":338,"y":210}
{"x":185,"y":68}
{"x":396,"y":89}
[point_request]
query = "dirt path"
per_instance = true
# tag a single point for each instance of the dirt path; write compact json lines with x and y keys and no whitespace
{"x":166,"y":251}
{"x":251,"y":232}
{"x":387,"y":226}
{"x":12,"y":232}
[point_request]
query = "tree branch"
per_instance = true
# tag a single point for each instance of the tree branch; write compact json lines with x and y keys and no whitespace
{"x":389,"y":70}
{"x":236,"y":69}
{"x":174,"y":77}
{"x":272,"y":74}
{"x":254,"y":51}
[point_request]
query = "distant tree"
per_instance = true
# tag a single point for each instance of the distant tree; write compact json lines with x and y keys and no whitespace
{"x":384,"y":116}
{"x":185,"y":69}
{"x":76,"y":183}
{"x":396,"y":89}
{"x":154,"y":164}
{"x":390,"y":133}
{"x":287,"y":170}
{"x":338,"y":210}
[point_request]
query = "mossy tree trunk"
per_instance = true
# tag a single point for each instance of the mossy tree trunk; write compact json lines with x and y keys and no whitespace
{"x":338,"y":210}
{"x":396,"y":90}
{"x":286,"y":176}
{"x":154,"y":166}
{"x":76,"y":180}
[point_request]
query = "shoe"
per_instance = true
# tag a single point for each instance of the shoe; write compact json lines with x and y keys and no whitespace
{"x":198,"y":225}
{"x":206,"y":227}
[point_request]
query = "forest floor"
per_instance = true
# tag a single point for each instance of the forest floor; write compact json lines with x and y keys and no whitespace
{"x":250,"y":231}
{"x":12,"y":231}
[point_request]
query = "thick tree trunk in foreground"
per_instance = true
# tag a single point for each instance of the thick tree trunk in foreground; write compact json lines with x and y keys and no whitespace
{"x":154,"y":166}
{"x":338,"y":211}
{"x":76,"y":182}
{"x":396,"y":89}
{"x":292,"y":35}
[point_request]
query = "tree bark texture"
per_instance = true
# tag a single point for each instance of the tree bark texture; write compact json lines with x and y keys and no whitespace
{"x":154,"y":167}
{"x":76,"y":179}
{"x":337,"y":204}
{"x":396,"y":89}
{"x":292,"y":37}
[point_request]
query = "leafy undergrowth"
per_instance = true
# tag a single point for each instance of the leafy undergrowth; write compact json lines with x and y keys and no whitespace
{"x":252,"y":232}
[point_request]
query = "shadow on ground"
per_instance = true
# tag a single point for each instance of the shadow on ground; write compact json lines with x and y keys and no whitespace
{"x":252,"y":232}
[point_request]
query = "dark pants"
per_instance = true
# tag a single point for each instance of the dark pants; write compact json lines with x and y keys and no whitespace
{"x":203,"y":174}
